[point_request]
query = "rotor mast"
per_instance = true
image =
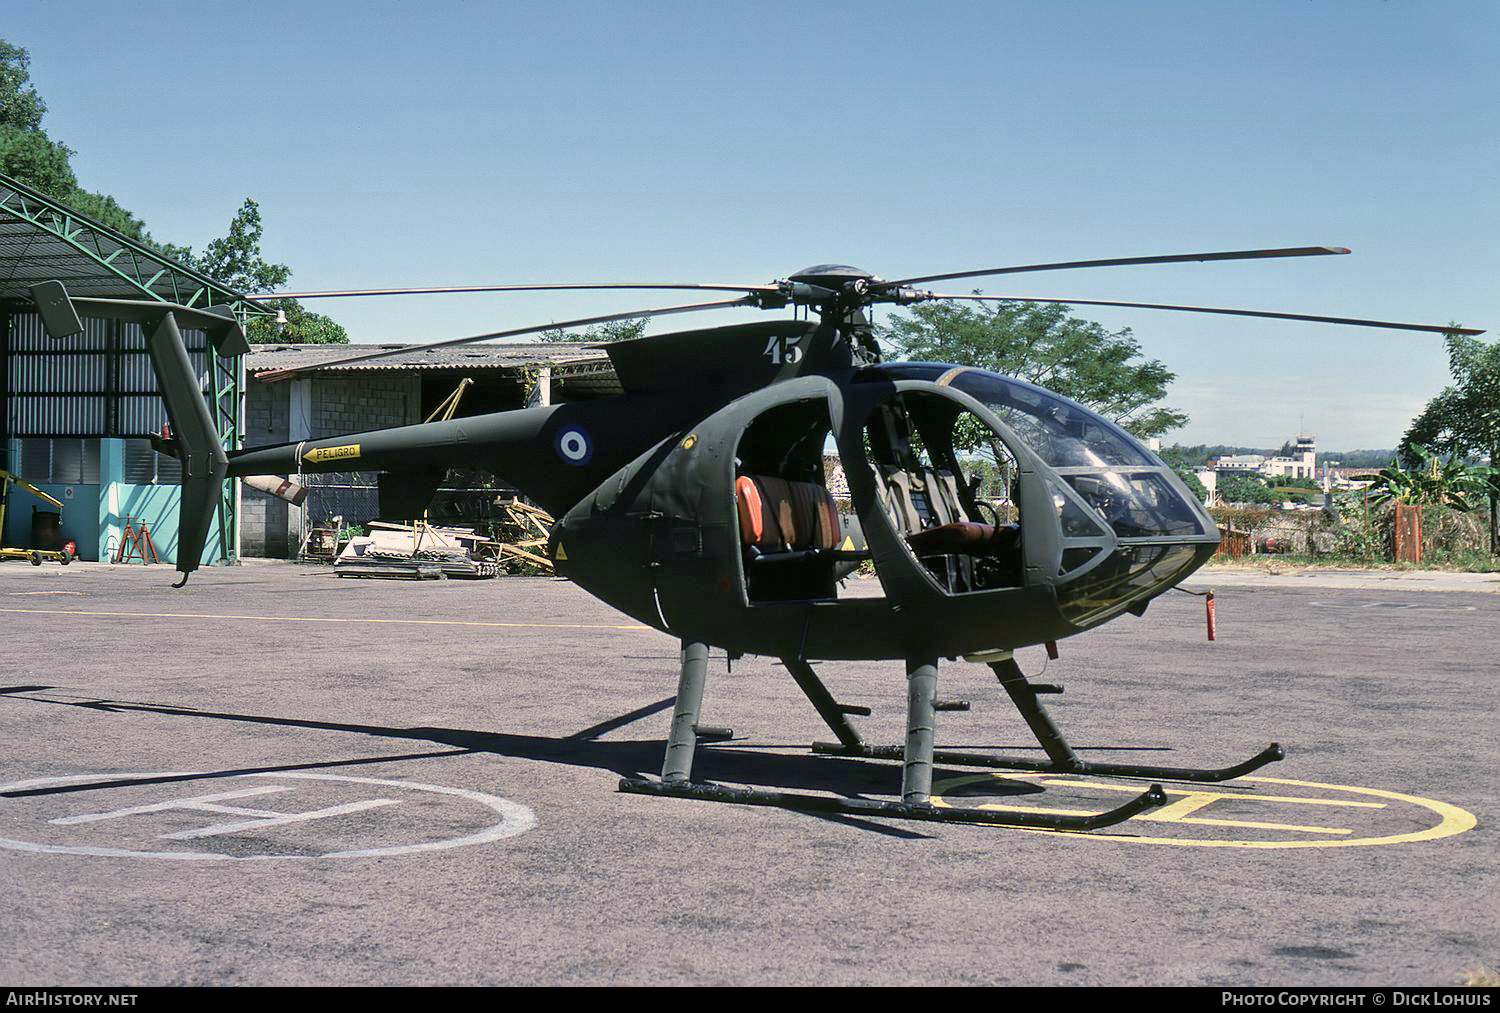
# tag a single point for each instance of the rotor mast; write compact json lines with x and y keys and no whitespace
{"x":839,"y":294}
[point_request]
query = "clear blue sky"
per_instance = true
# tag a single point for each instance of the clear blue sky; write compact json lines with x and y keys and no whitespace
{"x":446,"y":142}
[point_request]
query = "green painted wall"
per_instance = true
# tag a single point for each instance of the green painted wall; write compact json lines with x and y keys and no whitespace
{"x":157,"y":506}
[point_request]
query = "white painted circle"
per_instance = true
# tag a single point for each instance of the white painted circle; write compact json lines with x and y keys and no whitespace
{"x":573,"y":444}
{"x":514,"y":819}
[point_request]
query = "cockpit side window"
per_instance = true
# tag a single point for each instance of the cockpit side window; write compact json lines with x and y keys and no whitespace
{"x":946,"y":483}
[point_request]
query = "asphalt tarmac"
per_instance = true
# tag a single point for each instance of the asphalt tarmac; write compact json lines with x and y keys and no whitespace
{"x":276,"y":776}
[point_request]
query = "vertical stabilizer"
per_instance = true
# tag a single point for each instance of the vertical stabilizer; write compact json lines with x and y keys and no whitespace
{"x":203,"y":460}
{"x":196,"y":441}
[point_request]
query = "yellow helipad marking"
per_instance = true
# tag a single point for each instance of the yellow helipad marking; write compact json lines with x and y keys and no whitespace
{"x":1451,"y":819}
{"x":329,"y":619}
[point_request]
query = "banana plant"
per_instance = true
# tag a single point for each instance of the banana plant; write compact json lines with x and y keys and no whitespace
{"x":1435,"y":481}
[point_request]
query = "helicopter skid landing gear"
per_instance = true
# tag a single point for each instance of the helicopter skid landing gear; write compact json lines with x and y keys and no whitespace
{"x":1060,"y":756}
{"x":918,"y":756}
{"x":800,"y":802}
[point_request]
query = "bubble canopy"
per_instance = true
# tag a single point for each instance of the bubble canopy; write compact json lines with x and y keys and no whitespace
{"x":1111,"y":472}
{"x":1062,"y":433}
{"x":1128,"y":527}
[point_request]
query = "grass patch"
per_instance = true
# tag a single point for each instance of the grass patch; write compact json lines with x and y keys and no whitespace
{"x":1449,"y":562}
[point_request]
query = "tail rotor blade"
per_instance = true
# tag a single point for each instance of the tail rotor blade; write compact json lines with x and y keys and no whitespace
{"x":659,"y":311}
{"x":1068,"y":265}
{"x":1313,"y":318}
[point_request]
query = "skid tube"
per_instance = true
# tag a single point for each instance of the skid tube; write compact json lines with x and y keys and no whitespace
{"x":916,"y":776}
{"x":800,"y":802}
{"x":1270,"y":754}
{"x":1060,"y":756}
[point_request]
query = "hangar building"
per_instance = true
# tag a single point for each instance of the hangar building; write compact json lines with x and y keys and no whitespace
{"x":76,"y":415}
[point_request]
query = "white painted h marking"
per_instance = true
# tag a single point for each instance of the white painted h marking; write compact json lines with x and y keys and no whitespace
{"x":209,"y":803}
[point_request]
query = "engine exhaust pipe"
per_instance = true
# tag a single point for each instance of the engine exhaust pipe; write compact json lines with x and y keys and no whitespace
{"x":275,"y":485}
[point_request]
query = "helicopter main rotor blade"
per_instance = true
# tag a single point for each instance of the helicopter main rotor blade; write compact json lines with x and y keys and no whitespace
{"x":1350,"y":321}
{"x":1179,"y":258}
{"x":447,"y":289}
{"x":271,"y":375}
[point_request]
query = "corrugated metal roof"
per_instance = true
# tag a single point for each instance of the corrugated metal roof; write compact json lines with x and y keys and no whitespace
{"x":44,"y":240}
{"x":478,"y":356}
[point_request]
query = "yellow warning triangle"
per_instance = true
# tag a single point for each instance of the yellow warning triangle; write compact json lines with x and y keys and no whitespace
{"x":562,"y":555}
{"x":847,"y":545}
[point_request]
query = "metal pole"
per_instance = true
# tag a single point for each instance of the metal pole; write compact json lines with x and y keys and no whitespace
{"x":829,"y":709}
{"x":1036,"y":716}
{"x":921,"y":726}
{"x":683,"y":737}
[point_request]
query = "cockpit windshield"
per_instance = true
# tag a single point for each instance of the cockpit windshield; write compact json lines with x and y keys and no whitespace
{"x":1062,"y":433}
{"x":1110,"y":472}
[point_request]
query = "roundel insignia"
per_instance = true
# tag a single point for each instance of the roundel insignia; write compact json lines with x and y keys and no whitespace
{"x":574,"y":446}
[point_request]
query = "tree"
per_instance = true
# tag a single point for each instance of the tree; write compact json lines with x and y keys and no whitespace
{"x":1246,"y":489}
{"x":1464,"y":420}
{"x":20,"y":105}
{"x":29,"y":155}
{"x":26,"y":152}
{"x":598,"y":334}
{"x":36,"y":160}
{"x":1432,"y":481}
{"x":1048,"y":346}
{"x":236,"y":262}
{"x":301,"y":327}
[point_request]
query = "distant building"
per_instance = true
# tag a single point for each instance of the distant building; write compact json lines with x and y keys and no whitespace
{"x":1302,"y":465}
{"x":1239,"y":464}
{"x":1210,"y":479}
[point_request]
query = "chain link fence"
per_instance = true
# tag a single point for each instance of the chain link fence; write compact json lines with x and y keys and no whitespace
{"x":352,"y":495}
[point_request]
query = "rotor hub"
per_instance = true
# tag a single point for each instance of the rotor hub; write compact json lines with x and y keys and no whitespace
{"x":833,"y":277}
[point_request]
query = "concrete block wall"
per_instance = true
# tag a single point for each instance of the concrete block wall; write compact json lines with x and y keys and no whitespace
{"x":333,"y":405}
{"x":356,"y":405}
{"x":263,"y":519}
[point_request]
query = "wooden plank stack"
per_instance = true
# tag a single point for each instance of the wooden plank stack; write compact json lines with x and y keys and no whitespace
{"x":517,"y":544}
{"x":423,"y":552}
{"x":521,"y":534}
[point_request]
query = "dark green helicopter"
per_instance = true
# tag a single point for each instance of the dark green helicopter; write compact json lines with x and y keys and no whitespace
{"x":699,"y":503}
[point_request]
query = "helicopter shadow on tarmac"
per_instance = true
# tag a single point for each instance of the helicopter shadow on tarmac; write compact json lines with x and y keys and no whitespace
{"x":850,"y":778}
